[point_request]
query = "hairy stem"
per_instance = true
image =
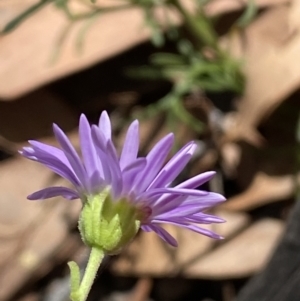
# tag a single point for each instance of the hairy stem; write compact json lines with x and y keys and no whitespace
{"x":81,"y":292}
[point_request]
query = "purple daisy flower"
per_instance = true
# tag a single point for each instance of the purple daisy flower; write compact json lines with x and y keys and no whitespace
{"x":144,"y":182}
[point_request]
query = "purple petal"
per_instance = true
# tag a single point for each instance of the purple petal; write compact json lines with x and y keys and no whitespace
{"x":28,"y":153}
{"x":172,"y":202}
{"x":99,"y":138}
{"x":168,"y":203}
{"x":135,"y":164}
{"x":203,"y":218}
{"x":97,"y":184}
{"x":105,"y":125}
{"x":146,"y":228}
{"x":202,"y":231}
{"x":173,"y":168}
{"x":162,"y":233}
{"x":72,"y":156}
{"x":110,"y":163}
{"x":51,"y":150}
{"x":155,"y":160}
{"x":130,"y":173}
{"x":197,"y":180}
{"x":131,"y":145}
{"x":51,"y":192}
{"x":170,"y":192}
{"x":90,"y":158}
{"x":110,"y":148}
{"x":116,"y":175}
{"x":52,"y":161}
{"x":100,"y":145}
{"x":189,"y":213}
{"x":180,"y":211}
{"x":194,"y":228}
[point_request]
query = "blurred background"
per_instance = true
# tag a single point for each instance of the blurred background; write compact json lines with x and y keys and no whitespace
{"x":224,"y":73}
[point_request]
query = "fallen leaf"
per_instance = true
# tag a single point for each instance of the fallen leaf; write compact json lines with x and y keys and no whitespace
{"x":242,"y":256}
{"x":272,"y":74}
{"x":264,"y":189}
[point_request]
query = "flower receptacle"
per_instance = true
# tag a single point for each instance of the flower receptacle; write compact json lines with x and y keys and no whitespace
{"x":107,"y":224}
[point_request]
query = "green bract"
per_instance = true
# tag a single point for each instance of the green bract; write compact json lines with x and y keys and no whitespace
{"x":106,"y":224}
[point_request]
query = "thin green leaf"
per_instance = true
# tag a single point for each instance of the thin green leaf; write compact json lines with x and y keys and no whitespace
{"x":83,"y":31}
{"x":24,"y":15}
{"x":146,"y":72}
{"x":166,"y":59}
{"x":61,"y":3}
{"x":182,"y":114}
{"x":185,"y":47}
{"x":157,"y":37}
{"x":60,"y":42}
{"x":248,"y":15}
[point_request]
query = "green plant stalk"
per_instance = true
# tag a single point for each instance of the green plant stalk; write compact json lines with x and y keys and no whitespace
{"x":10,"y":26}
{"x":94,"y":12}
{"x":198,"y":25}
{"x":81,"y":292}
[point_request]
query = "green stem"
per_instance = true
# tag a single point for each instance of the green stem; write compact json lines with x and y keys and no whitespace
{"x":81,"y":293}
{"x":198,"y":25}
{"x":24,"y":15}
{"x":93,"y":12}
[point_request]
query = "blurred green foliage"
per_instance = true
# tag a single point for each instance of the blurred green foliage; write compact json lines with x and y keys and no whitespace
{"x":199,"y":64}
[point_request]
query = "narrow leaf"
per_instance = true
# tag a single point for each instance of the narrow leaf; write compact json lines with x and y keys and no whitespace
{"x":24,"y":15}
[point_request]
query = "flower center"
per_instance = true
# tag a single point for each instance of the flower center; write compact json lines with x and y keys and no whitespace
{"x":143,"y":213}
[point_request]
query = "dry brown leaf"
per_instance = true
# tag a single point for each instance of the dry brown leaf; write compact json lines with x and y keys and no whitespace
{"x":271,"y":70}
{"x":141,"y":290}
{"x":243,"y":255}
{"x":9,"y":9}
{"x":294,"y":16}
{"x":239,"y":256}
{"x":231,"y":156}
{"x":264,"y":189}
{"x":27,"y":67}
{"x":31,"y":232}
